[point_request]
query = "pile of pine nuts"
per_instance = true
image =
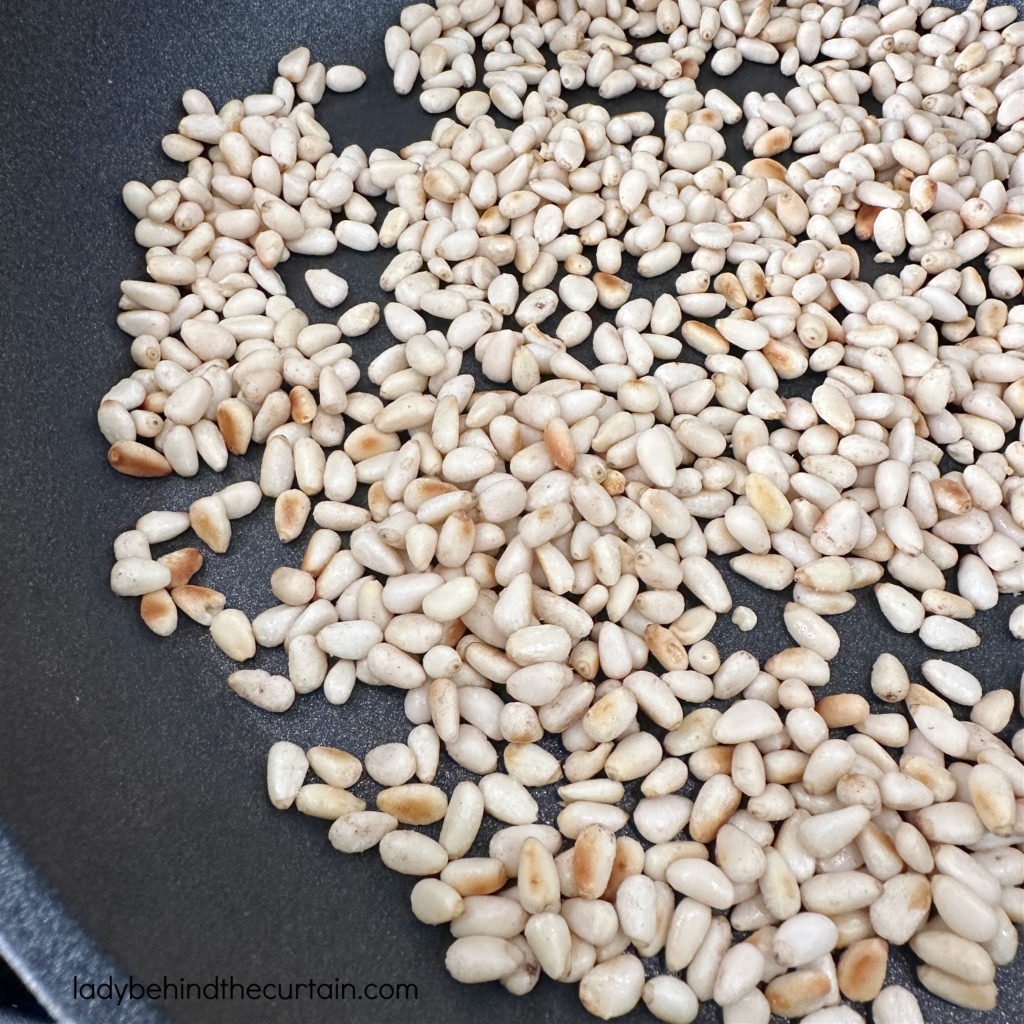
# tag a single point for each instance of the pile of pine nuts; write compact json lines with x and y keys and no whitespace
{"x":541,"y":559}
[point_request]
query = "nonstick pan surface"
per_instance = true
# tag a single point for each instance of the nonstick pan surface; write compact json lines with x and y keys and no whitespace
{"x":136,"y":840}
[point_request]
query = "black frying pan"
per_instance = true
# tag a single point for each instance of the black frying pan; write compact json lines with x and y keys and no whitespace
{"x":135,"y":834}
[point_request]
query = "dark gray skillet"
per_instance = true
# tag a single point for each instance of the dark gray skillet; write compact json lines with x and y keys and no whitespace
{"x":135,"y":835}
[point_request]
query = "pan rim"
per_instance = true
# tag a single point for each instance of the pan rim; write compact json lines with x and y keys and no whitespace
{"x":40,"y":938}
